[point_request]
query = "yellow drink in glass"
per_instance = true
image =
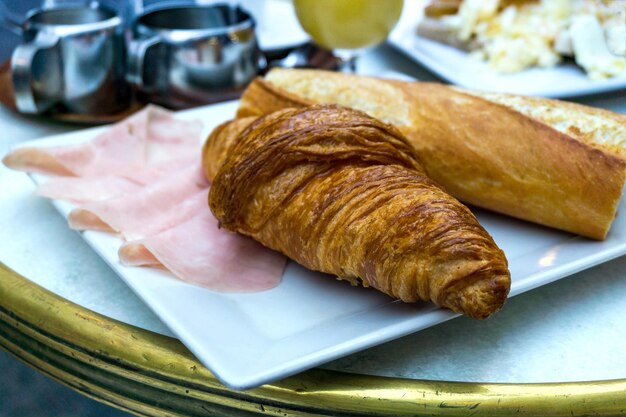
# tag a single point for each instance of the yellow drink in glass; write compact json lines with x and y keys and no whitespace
{"x":348,"y":24}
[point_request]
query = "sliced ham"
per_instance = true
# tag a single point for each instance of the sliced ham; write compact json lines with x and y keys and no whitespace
{"x":142,"y":178}
{"x":199,"y":252}
{"x":135,"y":253}
{"x":155,"y":207}
{"x":171,"y":139}
{"x":80,"y":190}
{"x":151,"y":136}
{"x":40,"y":160}
{"x":116,"y":149}
{"x":154,"y":171}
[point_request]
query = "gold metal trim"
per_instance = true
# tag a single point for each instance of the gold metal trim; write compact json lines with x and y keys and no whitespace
{"x":153,"y":375}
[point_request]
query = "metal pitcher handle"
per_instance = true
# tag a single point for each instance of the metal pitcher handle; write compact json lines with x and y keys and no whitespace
{"x":22,"y":72}
{"x":137,"y":49}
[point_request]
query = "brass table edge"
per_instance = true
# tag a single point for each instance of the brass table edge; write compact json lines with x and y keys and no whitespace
{"x":154,"y":375}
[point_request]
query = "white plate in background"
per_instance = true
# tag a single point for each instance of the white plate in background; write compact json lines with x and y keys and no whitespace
{"x":457,"y":67}
{"x":310,"y":318}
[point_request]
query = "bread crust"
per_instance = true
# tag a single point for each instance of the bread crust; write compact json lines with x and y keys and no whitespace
{"x":260,"y":97}
{"x":218,"y":143}
{"x":343,"y":193}
{"x":483,"y":152}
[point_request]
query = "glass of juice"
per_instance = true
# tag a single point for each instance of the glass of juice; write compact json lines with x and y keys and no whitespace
{"x":347,"y":27}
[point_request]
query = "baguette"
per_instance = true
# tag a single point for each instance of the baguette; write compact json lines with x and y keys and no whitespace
{"x":342,"y":193}
{"x":545,"y":161}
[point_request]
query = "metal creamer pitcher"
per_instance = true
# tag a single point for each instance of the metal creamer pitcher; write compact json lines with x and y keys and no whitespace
{"x":73,"y":56}
{"x":182,"y":49}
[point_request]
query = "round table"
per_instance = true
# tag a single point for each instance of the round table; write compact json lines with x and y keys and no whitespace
{"x":65,"y":313}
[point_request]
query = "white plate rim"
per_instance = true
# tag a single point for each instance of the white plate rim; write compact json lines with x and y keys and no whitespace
{"x":404,"y":36}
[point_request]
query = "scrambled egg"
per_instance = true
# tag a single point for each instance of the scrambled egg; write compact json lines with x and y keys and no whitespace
{"x":516,"y":34}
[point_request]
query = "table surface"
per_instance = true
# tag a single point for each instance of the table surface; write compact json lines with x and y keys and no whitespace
{"x":570,"y":330}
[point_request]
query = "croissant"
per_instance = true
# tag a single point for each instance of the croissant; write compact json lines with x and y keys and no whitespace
{"x":343,"y":193}
{"x":219,"y":142}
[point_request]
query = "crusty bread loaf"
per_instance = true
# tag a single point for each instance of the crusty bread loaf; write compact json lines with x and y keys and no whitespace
{"x":599,"y":128}
{"x":545,"y":161}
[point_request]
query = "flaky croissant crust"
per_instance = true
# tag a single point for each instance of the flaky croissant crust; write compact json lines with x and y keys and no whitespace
{"x":343,"y":193}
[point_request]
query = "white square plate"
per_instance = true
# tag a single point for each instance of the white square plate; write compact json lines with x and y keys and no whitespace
{"x":457,"y":67}
{"x":311,"y":318}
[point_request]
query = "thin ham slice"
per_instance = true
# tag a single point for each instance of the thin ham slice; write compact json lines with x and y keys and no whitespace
{"x":171,"y":139}
{"x":199,"y":252}
{"x":116,"y":149}
{"x":151,"y":136}
{"x":155,"y":171}
{"x":155,"y":207}
{"x":80,"y":190}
